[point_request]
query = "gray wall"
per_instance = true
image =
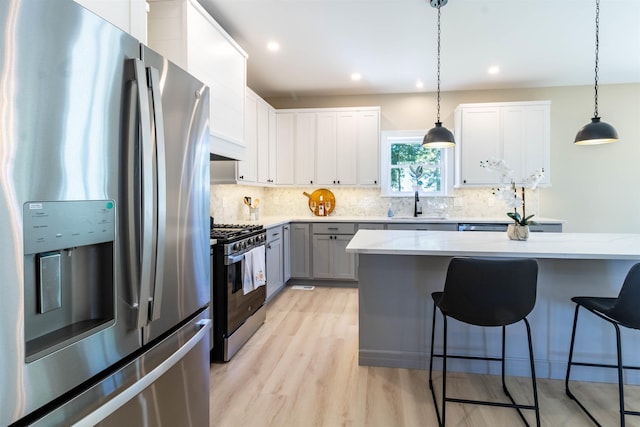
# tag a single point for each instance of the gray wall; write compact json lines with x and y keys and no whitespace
{"x":594,"y":188}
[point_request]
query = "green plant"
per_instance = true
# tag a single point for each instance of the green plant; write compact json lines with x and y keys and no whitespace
{"x":520,"y":220}
{"x":416,"y":173}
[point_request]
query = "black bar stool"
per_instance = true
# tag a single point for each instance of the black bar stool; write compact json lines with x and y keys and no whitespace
{"x":486,"y":292}
{"x":621,"y":311}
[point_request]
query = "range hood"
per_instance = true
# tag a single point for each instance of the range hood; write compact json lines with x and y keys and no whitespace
{"x":224,"y":149}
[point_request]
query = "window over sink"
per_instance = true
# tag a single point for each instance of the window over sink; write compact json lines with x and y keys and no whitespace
{"x":407,"y":166}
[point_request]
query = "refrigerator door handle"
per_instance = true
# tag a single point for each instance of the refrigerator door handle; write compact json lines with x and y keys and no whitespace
{"x":136,"y":388}
{"x":145,"y":196}
{"x":160,"y":217}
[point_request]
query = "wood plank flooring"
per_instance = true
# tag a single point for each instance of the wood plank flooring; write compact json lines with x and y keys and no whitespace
{"x":301,"y":370}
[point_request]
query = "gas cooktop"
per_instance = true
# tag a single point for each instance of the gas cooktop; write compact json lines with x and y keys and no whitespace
{"x":228,"y":232}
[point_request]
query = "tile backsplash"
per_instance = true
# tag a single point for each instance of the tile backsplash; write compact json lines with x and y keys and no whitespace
{"x":227,"y":202}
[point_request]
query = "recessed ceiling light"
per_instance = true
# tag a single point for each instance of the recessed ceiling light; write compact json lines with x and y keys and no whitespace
{"x":273,"y":46}
{"x":494,"y":69}
{"x":356,"y":77}
{"x":419,"y":84}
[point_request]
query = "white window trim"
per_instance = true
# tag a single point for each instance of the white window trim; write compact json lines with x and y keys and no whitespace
{"x":389,"y":137}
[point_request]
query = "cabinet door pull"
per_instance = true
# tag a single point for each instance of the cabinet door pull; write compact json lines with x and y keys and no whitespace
{"x":332,"y":228}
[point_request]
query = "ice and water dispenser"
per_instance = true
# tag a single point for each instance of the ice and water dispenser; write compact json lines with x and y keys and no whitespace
{"x":69,"y":282}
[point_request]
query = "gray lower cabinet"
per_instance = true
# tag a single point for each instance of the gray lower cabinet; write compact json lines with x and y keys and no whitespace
{"x":275,"y":260}
{"x":424,"y":226}
{"x":286,"y":252}
{"x":549,"y":228}
{"x":330,"y":258}
{"x":300,"y":246}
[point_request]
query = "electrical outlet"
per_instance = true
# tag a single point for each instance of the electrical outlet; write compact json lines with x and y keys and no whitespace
{"x":490,"y":201}
{"x":458,"y":202}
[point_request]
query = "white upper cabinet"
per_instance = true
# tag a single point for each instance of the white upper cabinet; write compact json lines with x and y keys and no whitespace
{"x":248,"y":168}
{"x":326,"y":150}
{"x":517,"y":132}
{"x":346,"y":148}
{"x":305,"y":144}
{"x":285,"y":145}
{"x":332,"y":146}
{"x":186,"y":34}
{"x":368,"y":147}
{"x":128,"y":15}
{"x":259,"y":165}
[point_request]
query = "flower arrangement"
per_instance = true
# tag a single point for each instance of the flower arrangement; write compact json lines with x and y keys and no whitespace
{"x":509,"y":192}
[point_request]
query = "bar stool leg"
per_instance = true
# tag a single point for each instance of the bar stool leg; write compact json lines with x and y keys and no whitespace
{"x":573,"y":340}
{"x":444,"y":370}
{"x":433,"y":393}
{"x":533,"y":374}
{"x":620,"y":380}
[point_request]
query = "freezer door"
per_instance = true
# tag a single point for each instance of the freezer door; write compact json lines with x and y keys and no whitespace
{"x":180,"y":116}
{"x":63,"y":318}
{"x":168,"y":385}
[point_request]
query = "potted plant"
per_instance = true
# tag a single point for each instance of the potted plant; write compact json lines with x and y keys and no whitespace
{"x":519,"y":230}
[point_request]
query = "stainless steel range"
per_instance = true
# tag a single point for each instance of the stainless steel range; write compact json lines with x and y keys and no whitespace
{"x":236,"y":315}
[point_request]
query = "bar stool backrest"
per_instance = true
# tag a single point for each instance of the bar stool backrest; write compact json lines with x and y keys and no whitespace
{"x":490,"y":291}
{"x":627,"y":307}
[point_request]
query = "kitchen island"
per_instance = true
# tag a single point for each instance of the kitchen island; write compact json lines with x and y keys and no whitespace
{"x":399,"y":269}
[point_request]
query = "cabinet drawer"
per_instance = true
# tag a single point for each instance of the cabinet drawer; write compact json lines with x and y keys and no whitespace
{"x":370,"y":226}
{"x":274,"y":233}
{"x":333,"y":228}
{"x":424,"y":226}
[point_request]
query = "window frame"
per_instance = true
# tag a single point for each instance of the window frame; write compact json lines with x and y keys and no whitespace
{"x":446,"y":164}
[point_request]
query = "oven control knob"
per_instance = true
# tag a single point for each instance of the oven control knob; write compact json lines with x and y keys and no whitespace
{"x":236,"y":246}
{"x":244,"y":245}
{"x":250,"y":241}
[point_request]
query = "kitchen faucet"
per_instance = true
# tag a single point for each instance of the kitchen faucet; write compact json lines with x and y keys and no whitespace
{"x":417,"y":209}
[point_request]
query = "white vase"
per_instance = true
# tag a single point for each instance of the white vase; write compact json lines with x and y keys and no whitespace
{"x":518,"y":232}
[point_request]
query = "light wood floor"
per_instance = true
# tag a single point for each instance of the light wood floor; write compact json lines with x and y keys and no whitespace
{"x":301,"y":370}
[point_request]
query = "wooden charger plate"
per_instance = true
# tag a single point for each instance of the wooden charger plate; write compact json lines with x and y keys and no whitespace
{"x":327,"y":197}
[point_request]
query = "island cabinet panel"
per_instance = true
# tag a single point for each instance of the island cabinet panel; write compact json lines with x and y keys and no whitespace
{"x":516,"y":132}
{"x":300,"y":251}
{"x":330,"y":259}
{"x":399,"y":270}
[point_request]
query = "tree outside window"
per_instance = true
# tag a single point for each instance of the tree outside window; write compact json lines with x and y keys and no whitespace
{"x":407,"y":155}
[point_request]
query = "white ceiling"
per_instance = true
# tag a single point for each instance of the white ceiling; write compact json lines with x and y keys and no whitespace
{"x":392,"y":43}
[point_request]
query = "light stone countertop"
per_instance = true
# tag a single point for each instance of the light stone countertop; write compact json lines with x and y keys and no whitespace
{"x":539,"y":245}
{"x":274,"y":221}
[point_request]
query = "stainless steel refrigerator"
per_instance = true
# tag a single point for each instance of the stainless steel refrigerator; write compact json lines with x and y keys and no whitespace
{"x":104,"y":217}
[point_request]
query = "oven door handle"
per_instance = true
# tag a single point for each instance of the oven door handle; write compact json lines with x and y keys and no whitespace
{"x":232,"y":259}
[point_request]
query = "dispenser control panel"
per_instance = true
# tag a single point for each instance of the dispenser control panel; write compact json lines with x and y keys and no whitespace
{"x":49,"y":226}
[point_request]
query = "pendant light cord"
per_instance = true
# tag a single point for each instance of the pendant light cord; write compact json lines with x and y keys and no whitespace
{"x":439,"y":63}
{"x":595,"y":113}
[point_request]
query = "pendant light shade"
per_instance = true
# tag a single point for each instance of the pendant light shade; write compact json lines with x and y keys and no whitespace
{"x":438,"y":137}
{"x":596,"y":132}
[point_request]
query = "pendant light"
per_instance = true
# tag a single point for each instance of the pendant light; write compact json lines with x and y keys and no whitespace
{"x":596,"y":132}
{"x":438,"y":137}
